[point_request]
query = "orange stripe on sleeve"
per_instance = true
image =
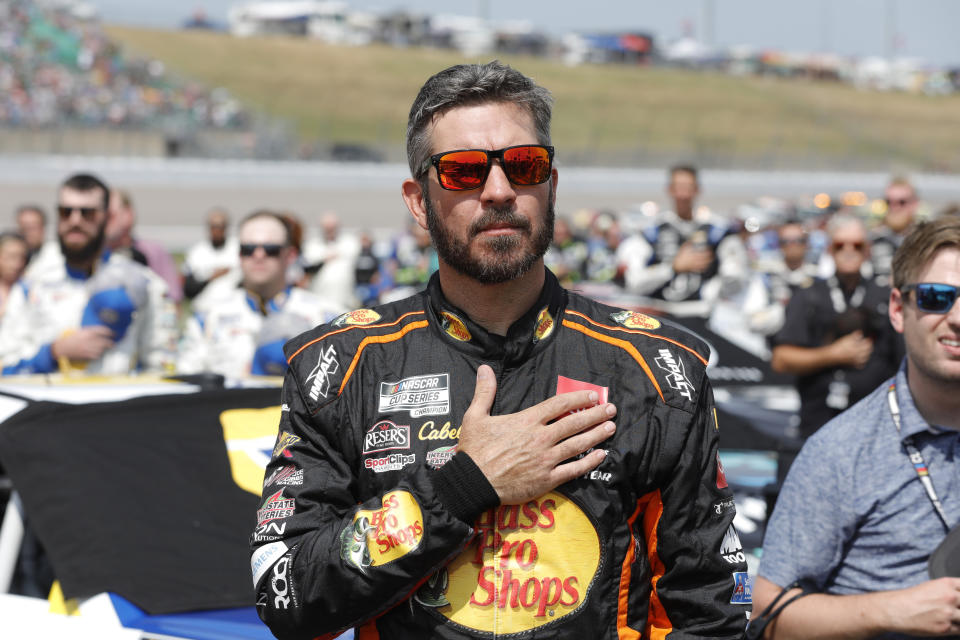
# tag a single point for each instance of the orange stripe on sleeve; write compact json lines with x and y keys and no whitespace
{"x":623,"y":344}
{"x":658,"y":622}
{"x":643,"y":333}
{"x":333,"y":333}
{"x":624,"y":631}
{"x":390,"y":337}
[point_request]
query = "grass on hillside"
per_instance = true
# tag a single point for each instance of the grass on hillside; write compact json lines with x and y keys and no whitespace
{"x":604,"y":114}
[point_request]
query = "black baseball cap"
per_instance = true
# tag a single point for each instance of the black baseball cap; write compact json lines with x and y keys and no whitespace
{"x":945,"y":559}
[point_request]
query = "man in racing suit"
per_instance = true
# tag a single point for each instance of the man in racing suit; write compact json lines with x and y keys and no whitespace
{"x":89,"y":310}
{"x":242,"y":329}
{"x":404,"y":502}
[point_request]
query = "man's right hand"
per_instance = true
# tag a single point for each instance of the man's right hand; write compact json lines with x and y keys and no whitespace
{"x":522,"y":454}
{"x":853,"y":349}
{"x":930,"y":608}
{"x":84,"y":344}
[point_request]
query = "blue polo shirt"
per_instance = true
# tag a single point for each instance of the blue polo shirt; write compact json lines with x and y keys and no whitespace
{"x":853,"y":516}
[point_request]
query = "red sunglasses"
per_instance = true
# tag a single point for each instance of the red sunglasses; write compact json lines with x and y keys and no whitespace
{"x":464,"y":169}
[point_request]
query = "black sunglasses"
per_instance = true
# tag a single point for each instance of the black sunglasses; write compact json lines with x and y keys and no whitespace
{"x":272,"y":250}
{"x":932,"y":297}
{"x":464,"y":169}
{"x":88,"y":213}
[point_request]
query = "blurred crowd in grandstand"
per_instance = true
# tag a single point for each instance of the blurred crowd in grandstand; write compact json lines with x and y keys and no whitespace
{"x":58,"y":67}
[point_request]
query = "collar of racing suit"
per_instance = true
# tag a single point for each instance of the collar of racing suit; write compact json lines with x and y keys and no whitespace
{"x":530,"y":333}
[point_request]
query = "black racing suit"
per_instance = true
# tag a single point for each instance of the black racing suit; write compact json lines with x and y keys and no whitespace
{"x":371,"y":519}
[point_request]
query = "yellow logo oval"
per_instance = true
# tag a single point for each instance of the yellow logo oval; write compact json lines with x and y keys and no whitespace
{"x":529,"y":565}
{"x":358,"y":317}
{"x":455,"y":327}
{"x":545,"y":325}
{"x":379,"y":536}
{"x":635,"y":320}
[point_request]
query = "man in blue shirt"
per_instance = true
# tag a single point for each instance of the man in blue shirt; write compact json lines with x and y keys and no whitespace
{"x":874,"y":491}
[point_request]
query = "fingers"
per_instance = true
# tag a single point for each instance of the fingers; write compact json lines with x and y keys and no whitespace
{"x":483,"y":394}
{"x":562,"y":404}
{"x":577,"y":444}
{"x":580,"y":421}
{"x":570,"y":470}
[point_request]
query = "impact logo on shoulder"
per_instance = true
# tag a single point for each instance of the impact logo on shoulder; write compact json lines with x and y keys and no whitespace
{"x":327,"y":365}
{"x":676,"y":375}
{"x":427,"y":395}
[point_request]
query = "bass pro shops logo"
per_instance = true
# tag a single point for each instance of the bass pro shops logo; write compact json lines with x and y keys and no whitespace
{"x":529,"y":565}
{"x":379,"y":536}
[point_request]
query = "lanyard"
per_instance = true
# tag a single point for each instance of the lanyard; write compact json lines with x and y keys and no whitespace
{"x":919,"y":465}
{"x":838,"y":299}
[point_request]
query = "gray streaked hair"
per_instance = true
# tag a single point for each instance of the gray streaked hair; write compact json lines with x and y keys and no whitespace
{"x":840,"y":220}
{"x":472,"y":84}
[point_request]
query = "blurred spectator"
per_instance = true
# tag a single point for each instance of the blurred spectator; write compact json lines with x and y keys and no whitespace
{"x":212,"y":258}
{"x":32,"y":226}
{"x":901,"y":199}
{"x":775,"y":279}
{"x":13,"y":261}
{"x":296,"y":272}
{"x":367,"y":271}
{"x":120,"y":238}
{"x":332,"y":258}
{"x":412,"y":261}
{"x":242,"y":330}
{"x":686,"y":248}
{"x":567,"y":254}
{"x":836,"y":338}
{"x":92,"y":309}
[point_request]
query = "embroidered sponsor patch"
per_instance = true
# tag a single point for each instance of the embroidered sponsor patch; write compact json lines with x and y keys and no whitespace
{"x":439,"y":457}
{"x":529,"y":565}
{"x":276,"y":507}
{"x":545,"y":325}
{"x":676,"y":375}
{"x":386,"y":436}
{"x":327,"y":365}
{"x":357,"y":318}
{"x":284,"y":441}
{"x":427,"y":395}
{"x":269,"y":532}
{"x":635,"y":320}
{"x":378,"y":536}
{"x":724,"y":506}
{"x":742,"y":589}
{"x":455,"y":327}
{"x":263,"y":558}
{"x":392,"y":462}
{"x":730,"y":549}
{"x":429,"y":431}
{"x":288,"y":475}
{"x":721,"y":476}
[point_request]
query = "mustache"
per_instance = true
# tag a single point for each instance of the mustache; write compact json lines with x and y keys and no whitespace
{"x":505,"y":214}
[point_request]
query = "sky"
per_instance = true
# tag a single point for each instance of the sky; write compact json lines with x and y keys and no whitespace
{"x":925,"y":29}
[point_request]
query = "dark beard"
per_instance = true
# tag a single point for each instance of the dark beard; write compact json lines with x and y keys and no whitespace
{"x":508,"y":262}
{"x":88,"y":251}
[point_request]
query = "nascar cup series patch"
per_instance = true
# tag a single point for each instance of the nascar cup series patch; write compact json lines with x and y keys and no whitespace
{"x":427,"y":395}
{"x":635,"y":320}
{"x":528,"y":565}
{"x":378,"y":536}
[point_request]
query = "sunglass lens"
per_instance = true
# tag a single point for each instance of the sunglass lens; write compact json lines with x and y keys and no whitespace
{"x":463,"y":169}
{"x":527,"y":165}
{"x":936,"y":298}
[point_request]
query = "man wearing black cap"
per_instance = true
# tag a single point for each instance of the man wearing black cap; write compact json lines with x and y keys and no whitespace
{"x":874,"y":491}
